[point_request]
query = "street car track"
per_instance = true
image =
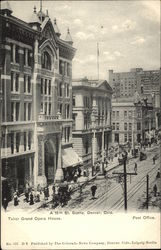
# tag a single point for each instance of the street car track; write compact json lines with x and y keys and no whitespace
{"x":119,"y":202}
{"x":131,"y":193}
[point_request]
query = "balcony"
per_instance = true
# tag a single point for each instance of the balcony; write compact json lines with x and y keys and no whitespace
{"x":43,"y":117}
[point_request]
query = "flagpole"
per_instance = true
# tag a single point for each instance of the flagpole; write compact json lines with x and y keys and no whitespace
{"x":98,"y":59}
{"x":41,"y":9}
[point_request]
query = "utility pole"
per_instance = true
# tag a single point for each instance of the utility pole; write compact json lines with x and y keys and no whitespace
{"x":125,"y":180}
{"x":147,"y":191}
{"x":125,"y":186}
{"x":98,"y":60}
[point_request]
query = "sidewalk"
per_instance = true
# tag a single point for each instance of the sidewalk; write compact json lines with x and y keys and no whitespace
{"x":81,"y":181}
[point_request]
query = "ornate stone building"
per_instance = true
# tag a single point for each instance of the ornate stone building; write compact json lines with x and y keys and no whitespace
{"x":91,"y":120}
{"x":36,"y":87}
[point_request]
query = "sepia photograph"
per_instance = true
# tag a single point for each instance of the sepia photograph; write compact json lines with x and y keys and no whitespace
{"x":80,"y":124}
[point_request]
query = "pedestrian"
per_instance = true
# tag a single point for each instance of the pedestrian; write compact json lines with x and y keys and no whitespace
{"x":155,"y":190}
{"x":5,"y":203}
{"x":15,"y":199}
{"x":45,"y":193}
{"x":158,"y":175}
{"x":154,"y":160}
{"x":79,"y":171}
{"x":27,"y":195}
{"x":135,"y":167}
{"x":93,"y":190}
{"x":31,"y":199}
{"x":39,"y":189}
{"x":75,"y":177}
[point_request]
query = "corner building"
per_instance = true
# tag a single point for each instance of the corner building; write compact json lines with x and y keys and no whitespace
{"x":91,"y":120}
{"x":36,"y":103}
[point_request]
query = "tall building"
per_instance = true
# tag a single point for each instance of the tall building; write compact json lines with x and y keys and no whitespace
{"x":36,"y":87}
{"x":91,"y":119}
{"x":145,"y":83}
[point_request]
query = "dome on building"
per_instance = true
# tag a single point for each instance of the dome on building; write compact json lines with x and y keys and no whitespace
{"x":56,"y":29}
{"x":6,"y":8}
{"x":68,"y":38}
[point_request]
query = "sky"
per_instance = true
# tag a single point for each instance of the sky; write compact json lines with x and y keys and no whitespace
{"x":128,"y":33}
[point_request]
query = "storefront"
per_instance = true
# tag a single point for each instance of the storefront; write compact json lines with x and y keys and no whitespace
{"x":70,"y":163}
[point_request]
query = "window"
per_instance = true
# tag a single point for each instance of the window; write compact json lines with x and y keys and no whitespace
{"x":130,"y":126}
{"x":130,"y":137}
{"x":24,"y":111}
{"x":17,"y":54}
{"x":17,"y":111}
{"x":85,"y":121}
{"x":41,"y":85}
{"x":117,"y":126}
{"x":29,"y":111}
{"x":17,"y":83}
{"x":73,"y":123}
{"x":125,"y":126}
{"x":67,"y":90}
{"x":49,"y":108}
{"x":67,"y":111}
{"x":117,"y":114}
{"x":139,"y":114}
{"x":12,"y":143}
{"x":41,"y":110}
{"x":73,"y":101}
{"x":68,"y":69}
{"x":49,"y":87}
{"x":12,"y":53}
{"x":130,"y":114}
{"x":46,"y":61}
{"x":60,"y":108}
{"x":24,"y":56}
{"x":60,"y":89}
{"x":29,"y":58}
{"x":125,"y":137}
{"x":67,"y":134}
{"x":24,"y":83}
{"x":86,"y":147}
{"x":113,"y":126}
{"x":29,"y":84}
{"x":24,"y":137}
{"x":138,"y":126}
{"x":61,"y":67}
{"x":29,"y":140}
{"x":17,"y":142}
{"x":45,"y":87}
{"x":125,"y":114}
{"x":45,"y":108}
{"x":12,"y":111}
{"x":12,"y":79}
{"x":116,"y":137}
{"x":113,"y":114}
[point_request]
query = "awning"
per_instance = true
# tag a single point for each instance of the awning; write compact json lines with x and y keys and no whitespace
{"x":70,"y":158}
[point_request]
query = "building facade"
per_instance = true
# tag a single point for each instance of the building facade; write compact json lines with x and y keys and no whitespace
{"x":91,"y":120}
{"x":36,"y":87}
{"x":146,"y":83}
{"x":131,"y":120}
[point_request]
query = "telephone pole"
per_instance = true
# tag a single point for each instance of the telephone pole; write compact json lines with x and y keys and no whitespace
{"x":147,"y":191}
{"x":125,"y":180}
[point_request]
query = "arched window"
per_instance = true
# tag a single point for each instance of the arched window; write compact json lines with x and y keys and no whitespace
{"x":46,"y":61}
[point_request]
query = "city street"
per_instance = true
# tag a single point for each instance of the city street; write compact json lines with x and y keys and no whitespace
{"x":110,"y":192}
